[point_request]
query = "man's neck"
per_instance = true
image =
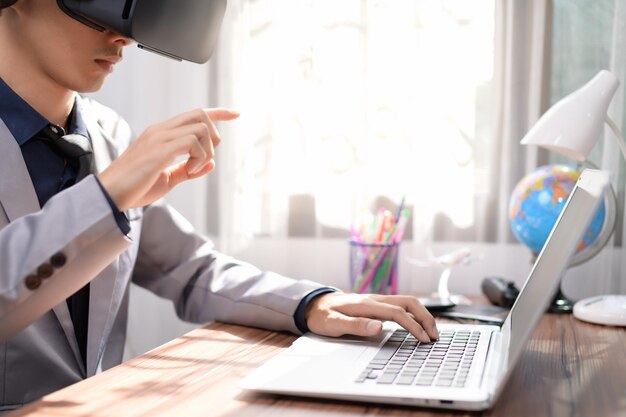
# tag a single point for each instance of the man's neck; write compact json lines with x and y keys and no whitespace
{"x":51,"y":100}
{"x":53,"y":103}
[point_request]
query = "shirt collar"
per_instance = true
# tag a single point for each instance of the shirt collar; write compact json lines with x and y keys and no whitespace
{"x":24,"y":122}
{"x":77,"y":124}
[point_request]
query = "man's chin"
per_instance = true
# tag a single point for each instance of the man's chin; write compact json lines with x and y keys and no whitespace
{"x":90,"y":87}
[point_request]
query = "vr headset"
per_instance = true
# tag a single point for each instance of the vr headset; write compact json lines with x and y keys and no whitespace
{"x":179,"y":29}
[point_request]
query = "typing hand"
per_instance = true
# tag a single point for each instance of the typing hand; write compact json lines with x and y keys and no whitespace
{"x":336,"y":314}
{"x":144,"y":172}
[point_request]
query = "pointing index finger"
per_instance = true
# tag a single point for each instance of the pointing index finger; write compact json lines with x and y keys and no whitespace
{"x":222,"y":114}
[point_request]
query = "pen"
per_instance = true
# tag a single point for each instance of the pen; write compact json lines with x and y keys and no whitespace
{"x":400,"y":208}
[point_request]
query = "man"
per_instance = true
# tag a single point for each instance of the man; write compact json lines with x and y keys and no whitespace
{"x":71,"y":241}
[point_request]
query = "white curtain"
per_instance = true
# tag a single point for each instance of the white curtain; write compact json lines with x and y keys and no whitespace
{"x":351,"y":104}
{"x":522,"y":74}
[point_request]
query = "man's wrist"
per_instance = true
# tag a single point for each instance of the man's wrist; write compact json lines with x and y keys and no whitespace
{"x":120,"y":217}
{"x":300,"y":314}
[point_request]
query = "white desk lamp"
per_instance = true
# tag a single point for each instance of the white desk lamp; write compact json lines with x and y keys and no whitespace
{"x":571,"y":127}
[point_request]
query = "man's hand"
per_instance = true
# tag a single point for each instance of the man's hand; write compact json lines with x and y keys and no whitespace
{"x":336,"y":314}
{"x":144,"y":172}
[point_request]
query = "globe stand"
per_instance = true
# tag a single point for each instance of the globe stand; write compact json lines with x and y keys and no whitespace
{"x":560,"y":303}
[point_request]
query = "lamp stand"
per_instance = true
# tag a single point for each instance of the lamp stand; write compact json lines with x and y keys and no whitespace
{"x":560,"y":303}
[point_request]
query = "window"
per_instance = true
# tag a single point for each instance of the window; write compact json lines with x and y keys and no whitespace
{"x":354,"y":103}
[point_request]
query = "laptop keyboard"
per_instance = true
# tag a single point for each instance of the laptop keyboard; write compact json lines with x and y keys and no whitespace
{"x":404,"y":360}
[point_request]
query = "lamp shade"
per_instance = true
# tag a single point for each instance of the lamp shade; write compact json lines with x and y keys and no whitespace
{"x":573,"y":125}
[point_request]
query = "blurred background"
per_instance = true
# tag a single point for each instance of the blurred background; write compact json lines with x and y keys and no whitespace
{"x":356,"y":104}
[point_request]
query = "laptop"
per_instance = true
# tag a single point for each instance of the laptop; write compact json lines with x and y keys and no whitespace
{"x":469,"y":365}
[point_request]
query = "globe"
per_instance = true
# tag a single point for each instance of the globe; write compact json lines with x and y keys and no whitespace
{"x":537,"y":201}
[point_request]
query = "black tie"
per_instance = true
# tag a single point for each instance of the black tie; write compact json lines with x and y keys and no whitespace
{"x":78,"y":153}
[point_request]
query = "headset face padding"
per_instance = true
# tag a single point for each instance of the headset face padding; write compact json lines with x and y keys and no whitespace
{"x":6,"y":3}
{"x":181,"y":29}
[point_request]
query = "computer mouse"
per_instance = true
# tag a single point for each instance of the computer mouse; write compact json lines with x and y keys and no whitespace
{"x":602,"y":309}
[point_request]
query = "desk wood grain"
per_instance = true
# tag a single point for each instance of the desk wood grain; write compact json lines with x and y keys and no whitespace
{"x":569,"y":368}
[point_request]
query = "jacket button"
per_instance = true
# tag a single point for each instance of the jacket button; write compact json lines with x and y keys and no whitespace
{"x":32,"y":282}
{"x":45,"y":271}
{"x":58,"y":260}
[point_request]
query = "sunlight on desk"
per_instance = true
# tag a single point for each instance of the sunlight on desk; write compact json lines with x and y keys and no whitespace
{"x":568,"y":368}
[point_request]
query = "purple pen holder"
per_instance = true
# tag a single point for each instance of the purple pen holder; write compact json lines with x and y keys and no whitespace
{"x":374,"y":267}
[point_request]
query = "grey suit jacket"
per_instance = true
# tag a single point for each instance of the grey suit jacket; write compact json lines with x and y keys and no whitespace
{"x":48,"y":253}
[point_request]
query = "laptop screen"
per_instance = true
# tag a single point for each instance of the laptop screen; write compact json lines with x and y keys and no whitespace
{"x":552,"y":262}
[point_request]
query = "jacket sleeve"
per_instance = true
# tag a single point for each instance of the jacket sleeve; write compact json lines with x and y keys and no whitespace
{"x":48,"y":255}
{"x":177,"y":263}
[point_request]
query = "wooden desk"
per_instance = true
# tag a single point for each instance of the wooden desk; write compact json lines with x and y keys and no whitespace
{"x":569,"y":368}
